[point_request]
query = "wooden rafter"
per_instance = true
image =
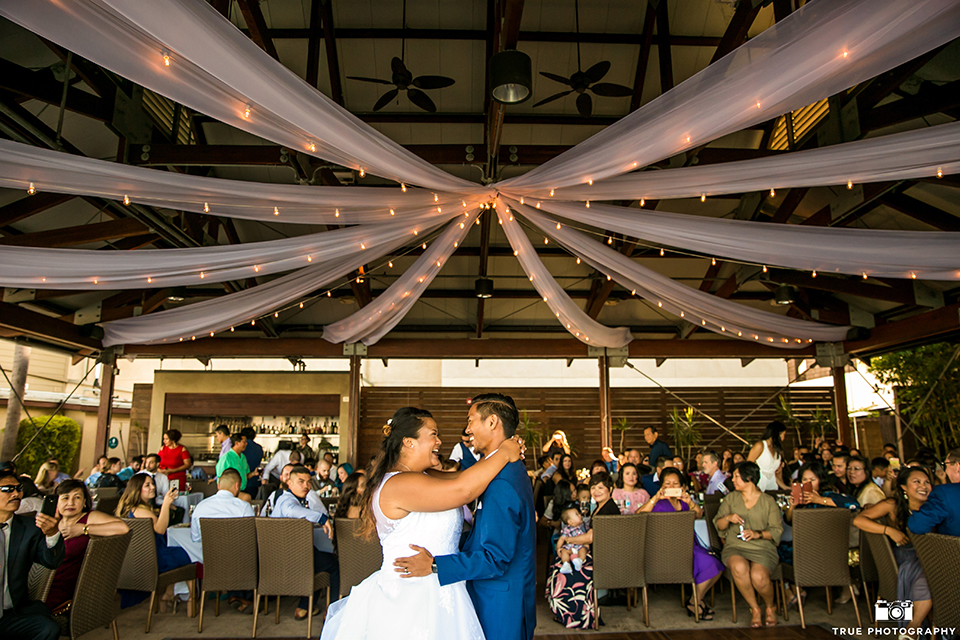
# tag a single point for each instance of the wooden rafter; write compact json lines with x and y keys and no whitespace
{"x":639,"y":78}
{"x":30,"y":206}
{"x":257,"y":25}
{"x":485,"y":228}
{"x":333,"y":60}
{"x":506,"y":32}
{"x":313,"y":43}
{"x":928,"y":101}
{"x":72,"y":236}
{"x":665,"y":54}
{"x":40,"y":85}
{"x":919,"y":210}
{"x":736,"y":33}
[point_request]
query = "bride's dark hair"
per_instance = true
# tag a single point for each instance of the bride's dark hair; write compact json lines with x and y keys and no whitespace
{"x":405,"y":423}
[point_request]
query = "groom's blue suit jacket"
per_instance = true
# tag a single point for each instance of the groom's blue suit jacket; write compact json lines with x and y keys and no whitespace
{"x":498,"y":559}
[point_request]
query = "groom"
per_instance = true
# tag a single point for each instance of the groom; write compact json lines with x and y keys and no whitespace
{"x":497,"y":558}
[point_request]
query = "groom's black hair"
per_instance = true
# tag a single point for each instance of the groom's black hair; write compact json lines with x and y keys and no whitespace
{"x":502,"y":406}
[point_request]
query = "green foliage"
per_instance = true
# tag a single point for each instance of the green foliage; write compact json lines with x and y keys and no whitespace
{"x":60,"y":440}
{"x":917,"y":372}
{"x":818,"y":424}
{"x":685,"y":431}
{"x":622,"y":426}
{"x":531,"y":433}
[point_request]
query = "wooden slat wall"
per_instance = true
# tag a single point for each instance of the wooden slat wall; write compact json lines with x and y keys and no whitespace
{"x":246,"y":404}
{"x":576,"y":411}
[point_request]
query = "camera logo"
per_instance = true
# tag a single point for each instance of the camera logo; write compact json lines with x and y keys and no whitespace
{"x":893,"y":611}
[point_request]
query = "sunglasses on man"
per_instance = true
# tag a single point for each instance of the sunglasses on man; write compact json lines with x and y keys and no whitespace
{"x":11,"y":488}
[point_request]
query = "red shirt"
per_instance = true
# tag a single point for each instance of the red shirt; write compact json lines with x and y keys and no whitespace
{"x":173,"y":458}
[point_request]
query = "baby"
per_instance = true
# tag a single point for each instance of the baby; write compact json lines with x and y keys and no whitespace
{"x":573,"y":525}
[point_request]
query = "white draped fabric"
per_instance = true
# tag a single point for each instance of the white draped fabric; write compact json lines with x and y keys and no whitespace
{"x":695,"y":306}
{"x":567,"y":312}
{"x":217,"y":70}
{"x":23,"y":165}
{"x":375,"y":320}
{"x":819,"y":50}
{"x":927,"y":255}
{"x":899,"y":156}
{"x":42,"y":268}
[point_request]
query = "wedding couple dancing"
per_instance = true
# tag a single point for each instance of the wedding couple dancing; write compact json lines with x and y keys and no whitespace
{"x":429,"y":588}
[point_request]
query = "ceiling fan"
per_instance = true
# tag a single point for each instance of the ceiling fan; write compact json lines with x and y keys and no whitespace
{"x":403,"y":80}
{"x":583,"y":81}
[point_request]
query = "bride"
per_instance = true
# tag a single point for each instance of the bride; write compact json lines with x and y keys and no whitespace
{"x":406,"y":506}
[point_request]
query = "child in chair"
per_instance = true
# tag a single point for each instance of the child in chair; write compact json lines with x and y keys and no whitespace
{"x":573,"y":525}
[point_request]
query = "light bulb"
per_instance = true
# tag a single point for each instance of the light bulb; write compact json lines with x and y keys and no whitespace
{"x":438,"y":263}
{"x":661,"y":252}
{"x":531,"y":278}
{"x":336,"y":213}
{"x":608,"y":278}
{"x":231,"y":329}
{"x":461,"y":225}
{"x":634,"y":292}
{"x":436,"y":198}
{"x":849,"y":184}
{"x":392,"y":212}
{"x":590,"y":182}
{"x":659,"y":304}
{"x":477,"y":222}
{"x":758,"y":104}
{"x":814,"y":273}
{"x":363,"y":246}
{"x":864,"y":275}
{"x":764,"y":268}
{"x":126,"y":200}
{"x":515,"y":252}
{"x":939,"y":172}
{"x":31,"y":189}
{"x":439,"y":210}
{"x":588,"y":204}
{"x":166,"y":59}
{"x":313,"y":147}
{"x":329,"y":294}
{"x":301,"y":305}
{"x":546,"y":241}
{"x":551,"y":193}
{"x":414,"y":232}
{"x":421,"y":278}
{"x":681,"y":314}
{"x":713,"y":261}
{"x":456,"y":244}
{"x":362,"y":172}
{"x":253,"y":323}
{"x":256,"y":268}
{"x":703,"y":197}
{"x":688,"y":138}
{"x":276,"y":211}
{"x":538,"y":205}
{"x":390,"y":264}
{"x":845,"y":54}
{"x":610,"y":240}
{"x":149,"y":280}
{"x":246,"y":112}
{"x":463,"y":203}
{"x":201,"y":275}
{"x":309,"y":258}
{"x":558,"y":225}
{"x":913,"y":275}
{"x":773,"y":193}
{"x":96,"y":281}
{"x":521,"y":199}
{"x":276,"y":314}
{"x":642,"y":202}
{"x":206,"y":208}
{"x":703,"y":322}
{"x":424,"y":245}
{"x":193,"y":337}
{"x":43,"y":279}
{"x":578,"y":260}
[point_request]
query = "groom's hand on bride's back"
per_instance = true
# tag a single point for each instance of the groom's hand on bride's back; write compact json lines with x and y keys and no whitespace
{"x":416,"y":566}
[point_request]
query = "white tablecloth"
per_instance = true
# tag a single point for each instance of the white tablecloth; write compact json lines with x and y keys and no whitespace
{"x":180,"y":537}
{"x":185,"y":501}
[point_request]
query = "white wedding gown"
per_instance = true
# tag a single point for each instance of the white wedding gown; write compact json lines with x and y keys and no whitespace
{"x":386,"y":606}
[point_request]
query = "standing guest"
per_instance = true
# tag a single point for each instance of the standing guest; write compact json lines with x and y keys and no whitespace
{"x":253,"y":453}
{"x":306,"y":451}
{"x":566,"y":470}
{"x":878,"y":468}
{"x":136,"y":463}
{"x":98,"y":469}
{"x":343,"y":472}
{"x":716,"y":477}
{"x":109,"y":477}
{"x":348,"y":506}
{"x":839,"y":469}
{"x":609,"y":460}
{"x":222,"y":436}
{"x":292,"y":504}
{"x":151,"y":467}
{"x":25,"y":541}
{"x":464,"y":453}
{"x":889,"y":450}
{"x":174,"y":457}
{"x":941,"y":512}
{"x":557,"y":444}
{"x":706,"y":568}
{"x":861,"y":485}
{"x":651,"y":481}
{"x":750,"y":523}
{"x":726,"y":462}
{"x":46,"y":480}
{"x":628,"y":490}
{"x":234,"y":459}
{"x":658,"y":447}
{"x":137,"y":501}
{"x":283,"y":457}
{"x":77,"y":523}
{"x":913,"y":486}
{"x":768,"y":454}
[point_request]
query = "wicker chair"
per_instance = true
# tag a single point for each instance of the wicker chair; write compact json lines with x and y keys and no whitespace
{"x":39,"y":581}
{"x":880,"y":567}
{"x":668,"y":556}
{"x":821,"y":540}
{"x":285,"y":550}
{"x":206,"y":488}
{"x":358,"y":557}
{"x":618,"y":556}
{"x":229,"y":558}
{"x":108,"y":505}
{"x":95,"y":600}
{"x":711,"y":506}
{"x":940,"y":558}
{"x":107,"y":492}
{"x":140,"y":571}
{"x":779,"y":592}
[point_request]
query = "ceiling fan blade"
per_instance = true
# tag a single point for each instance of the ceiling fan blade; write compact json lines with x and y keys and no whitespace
{"x":432,"y":82}
{"x":397,"y":66}
{"x":585,"y":104}
{"x":376,"y":80}
{"x":555,"y":96}
{"x":610,"y":90}
{"x":386,"y":99}
{"x":597,"y":71}
{"x":553,"y":76}
{"x":422,"y":100}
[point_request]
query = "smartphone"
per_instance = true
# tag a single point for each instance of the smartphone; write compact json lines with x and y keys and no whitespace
{"x":673,"y":492}
{"x":895,"y":464}
{"x":49,"y":507}
{"x":174,"y":485}
{"x":796,"y":492}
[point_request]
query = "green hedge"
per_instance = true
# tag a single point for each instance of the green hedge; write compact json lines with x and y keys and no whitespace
{"x":60,"y":440}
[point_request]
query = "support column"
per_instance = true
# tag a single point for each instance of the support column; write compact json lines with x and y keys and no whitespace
{"x":353,"y":413}
{"x":606,"y":434}
{"x":840,"y":405}
{"x":18,"y":378}
{"x":105,"y":411}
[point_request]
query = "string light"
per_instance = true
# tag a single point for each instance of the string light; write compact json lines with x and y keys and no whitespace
{"x":126,"y":200}
{"x":463,"y":203}
{"x":773,"y":193}
{"x":253,"y":323}
{"x":642,"y":202}
{"x":392,"y":212}
{"x":231,"y":329}
{"x":659,"y":304}
{"x":661,"y":252}
{"x":764,"y":268}
{"x":421,"y":278}
{"x":551,"y":193}
{"x":688,"y":138}
{"x":590,"y":182}
{"x":313,"y":147}
{"x":578,"y":260}
{"x":329,"y":294}
{"x":588,"y":204}
{"x":515,"y":252}
{"x":276,"y":314}
{"x":301,"y":305}
{"x":814,"y":273}
{"x":558,"y":226}
{"x":414,"y":232}
{"x":390,"y":264}
{"x":456,"y":244}
{"x":610,"y":240}
{"x":31,"y":190}
{"x":436,"y":198}
{"x":256,"y":268}
{"x":403,"y":187}
{"x":439,"y":210}
{"x":538,"y":205}
{"x":849,"y":184}
{"x":201,"y":275}
{"x":713,"y":261}
{"x":166,"y":59}
{"x":844,"y":54}
{"x":438,"y":263}
{"x":193,"y":337}
{"x":864,"y":275}
{"x":461,"y":225}
{"x":521,"y":199}
{"x":939,"y":173}
{"x":681,"y":314}
{"x":96,"y":281}
{"x":206,"y":208}
{"x":363,"y":172}
{"x":276,"y":211}
{"x":758,"y":104}
{"x":363,"y":246}
{"x":309,"y":258}
{"x":546,"y":241}
{"x":336,"y":213}
{"x":149,"y":280}
{"x":43,"y":279}
{"x":424,"y":245}
{"x":477,"y":222}
{"x":703,"y":197}
{"x":913,"y":275}
{"x":246,"y":112}
{"x":608,"y":278}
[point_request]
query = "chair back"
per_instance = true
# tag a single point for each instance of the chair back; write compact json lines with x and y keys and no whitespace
{"x":206,"y":488}
{"x":39,"y":581}
{"x":538,"y":505}
{"x":108,"y":505}
{"x":229,"y":554}
{"x":95,"y":601}
{"x":940,"y":558}
{"x":882,"y":565}
{"x":619,"y":543}
{"x":821,"y":539}
{"x":668,"y":556}
{"x":711,"y":506}
{"x":107,"y":492}
{"x":358,"y":557}
{"x":140,"y":571}
{"x":285,"y":551}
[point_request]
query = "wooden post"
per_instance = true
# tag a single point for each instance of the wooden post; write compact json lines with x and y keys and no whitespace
{"x":105,"y":411}
{"x":840,"y":405}
{"x":606,"y":432}
{"x":353,"y":421}
{"x":18,"y":380}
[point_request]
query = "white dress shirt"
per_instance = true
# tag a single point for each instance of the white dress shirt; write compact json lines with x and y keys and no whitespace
{"x":279,"y":460}
{"x":7,"y":600}
{"x":288,"y":506}
{"x":222,"y":504}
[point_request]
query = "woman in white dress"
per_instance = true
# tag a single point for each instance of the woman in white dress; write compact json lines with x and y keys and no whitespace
{"x":768,"y":454}
{"x":406,"y":505}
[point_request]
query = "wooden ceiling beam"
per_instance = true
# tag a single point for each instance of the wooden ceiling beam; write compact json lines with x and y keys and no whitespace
{"x":133,"y":242}
{"x":919,"y":210}
{"x":665,"y":55}
{"x":928,"y":101}
{"x":24,"y":322}
{"x":72,"y":236}
{"x":789,"y":205}
{"x":736,"y":33}
{"x":333,"y":60}
{"x":485,"y":228}
{"x":257,"y":26}
{"x":649,"y":22}
{"x":921,"y":328}
{"x":313,"y":43}
{"x":30,"y":206}
{"x":899,"y":293}
{"x":40,"y":85}
{"x":507,"y":32}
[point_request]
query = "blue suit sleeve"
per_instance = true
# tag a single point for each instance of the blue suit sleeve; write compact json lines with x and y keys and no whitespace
{"x":494,"y":549}
{"x":929,"y":516}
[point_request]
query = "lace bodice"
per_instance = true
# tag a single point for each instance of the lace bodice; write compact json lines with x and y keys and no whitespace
{"x":439,"y":532}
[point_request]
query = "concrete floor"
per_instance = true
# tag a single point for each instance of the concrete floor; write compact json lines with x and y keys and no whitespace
{"x":665,"y":613}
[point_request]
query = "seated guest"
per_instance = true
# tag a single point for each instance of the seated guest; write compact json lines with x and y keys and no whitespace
{"x":941,"y":512}
{"x":861,"y":485}
{"x":913,"y":486}
{"x":348,"y":506}
{"x":32,"y":500}
{"x":609,"y":460}
{"x":563,"y":493}
{"x":820,"y":493}
{"x":234,"y":459}
{"x":698,"y":478}
{"x":750,"y":523}
{"x":598,"y":466}
{"x":323,"y":480}
{"x":270,"y":502}
{"x":706,"y":568}
{"x":292,"y":504}
{"x":726,"y":462}
{"x":151,"y":467}
{"x":98,"y":469}
{"x":715,"y":477}
{"x":572,"y":525}
{"x":628,"y":490}
{"x":826,"y":456}
{"x":839,"y":470}
{"x":61,"y":476}
{"x":878,"y":468}
{"x":77,"y":523}
{"x":737,"y":459}
{"x":46,"y":480}
{"x":109,"y":478}
{"x":633,"y":455}
{"x":223,"y":504}
{"x":651,"y":481}
{"x":566,"y":470}
{"x":545,"y":468}
{"x":343,"y":472}
{"x":138,"y":501}
{"x":133,"y":468}
{"x":25,"y":541}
